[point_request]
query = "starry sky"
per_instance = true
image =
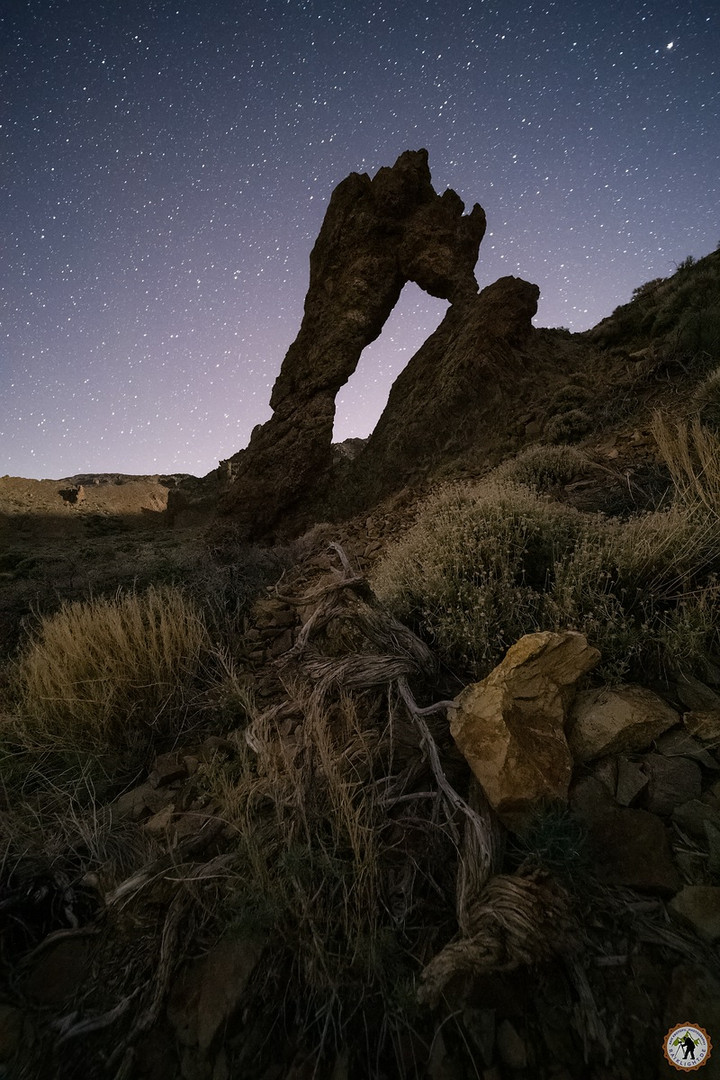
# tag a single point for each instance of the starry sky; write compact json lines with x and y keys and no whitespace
{"x":165,"y":168}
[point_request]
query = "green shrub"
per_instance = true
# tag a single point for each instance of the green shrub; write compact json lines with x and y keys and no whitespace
{"x":698,"y":331}
{"x":111,"y":672}
{"x":555,"y":841}
{"x":484,"y":565}
{"x":475,"y":570}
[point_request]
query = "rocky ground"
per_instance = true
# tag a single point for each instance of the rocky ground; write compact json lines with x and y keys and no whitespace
{"x":351,"y":859}
{"x":563,"y":967}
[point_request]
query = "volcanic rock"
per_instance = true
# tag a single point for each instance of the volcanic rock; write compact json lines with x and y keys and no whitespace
{"x":377,"y":235}
{"x":460,"y":384}
{"x":616,"y":721}
{"x":509,"y":727}
{"x":672,"y":782}
{"x":629,"y":847}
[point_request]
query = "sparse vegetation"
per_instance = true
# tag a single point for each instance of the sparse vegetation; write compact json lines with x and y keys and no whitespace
{"x":543,"y":467}
{"x":322,"y":877}
{"x":315,"y":821}
{"x":487,"y":563}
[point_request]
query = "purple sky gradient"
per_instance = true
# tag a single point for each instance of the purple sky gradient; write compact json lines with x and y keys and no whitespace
{"x":166,"y":168}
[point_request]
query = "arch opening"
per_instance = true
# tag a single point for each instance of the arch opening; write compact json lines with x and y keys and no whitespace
{"x":360,"y":402}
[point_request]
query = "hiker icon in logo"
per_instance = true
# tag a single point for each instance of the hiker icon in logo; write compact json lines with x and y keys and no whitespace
{"x":687,"y":1047}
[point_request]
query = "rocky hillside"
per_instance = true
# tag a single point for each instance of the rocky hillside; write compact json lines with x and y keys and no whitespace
{"x":429,"y":786}
{"x":486,"y":383}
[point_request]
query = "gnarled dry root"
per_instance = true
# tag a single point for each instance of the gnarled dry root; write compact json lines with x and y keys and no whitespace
{"x":514,"y":921}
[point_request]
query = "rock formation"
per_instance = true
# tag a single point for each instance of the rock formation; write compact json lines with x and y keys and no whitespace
{"x":461,"y":383}
{"x":377,"y":235}
{"x":510,"y":726}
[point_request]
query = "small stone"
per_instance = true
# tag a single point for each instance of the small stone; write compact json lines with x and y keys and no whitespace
{"x":135,"y":804}
{"x":168,"y":769}
{"x":621,"y":720}
{"x":704,"y":725}
{"x":272,"y":612}
{"x":699,"y":907}
{"x":160,"y":822}
{"x":606,"y":771}
{"x":132,"y":804}
{"x":693,"y":816}
{"x":282,"y":643}
{"x":191,"y":823}
{"x":216,"y":744}
{"x":696,"y":696}
{"x":678,"y":743}
{"x":629,"y":847}
{"x":713,"y":841}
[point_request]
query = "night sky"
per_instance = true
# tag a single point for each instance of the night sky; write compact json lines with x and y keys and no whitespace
{"x":165,"y":168}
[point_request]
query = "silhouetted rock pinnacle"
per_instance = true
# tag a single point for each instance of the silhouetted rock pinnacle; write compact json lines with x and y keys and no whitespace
{"x":377,"y":235}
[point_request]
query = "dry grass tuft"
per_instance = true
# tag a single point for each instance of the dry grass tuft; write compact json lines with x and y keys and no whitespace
{"x":107,"y":673}
{"x":692,"y":454}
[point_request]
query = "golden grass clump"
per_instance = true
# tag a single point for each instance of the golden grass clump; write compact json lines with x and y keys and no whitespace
{"x":692,"y":454}
{"x":108,"y":671}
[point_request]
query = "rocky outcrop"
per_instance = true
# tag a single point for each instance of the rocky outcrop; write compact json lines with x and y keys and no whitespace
{"x":461,"y":384}
{"x":510,"y":726}
{"x":377,"y":235}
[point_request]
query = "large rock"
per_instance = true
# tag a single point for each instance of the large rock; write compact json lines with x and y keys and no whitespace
{"x":510,"y":726}
{"x":377,"y":235}
{"x":617,"y":721}
{"x":672,"y":782}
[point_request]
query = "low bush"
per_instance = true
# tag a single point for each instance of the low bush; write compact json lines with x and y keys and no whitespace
{"x":568,"y":427}
{"x":485,"y":564}
{"x":543,"y":467}
{"x":474,"y":572}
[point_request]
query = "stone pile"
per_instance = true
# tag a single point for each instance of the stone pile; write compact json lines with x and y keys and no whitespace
{"x":642,"y":776}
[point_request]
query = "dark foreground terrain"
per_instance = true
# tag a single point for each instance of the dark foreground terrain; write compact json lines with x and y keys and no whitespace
{"x":422,"y":780}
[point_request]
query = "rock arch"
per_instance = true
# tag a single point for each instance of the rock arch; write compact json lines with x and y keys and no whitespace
{"x":377,"y":235}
